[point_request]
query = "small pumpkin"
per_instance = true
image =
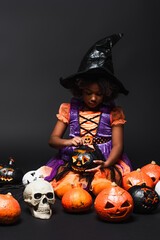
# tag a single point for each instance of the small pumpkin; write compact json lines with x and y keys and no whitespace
{"x":153,"y":171}
{"x":137,"y":177}
{"x":64,"y":186}
{"x":114,"y":204}
{"x":100,"y":184}
{"x":101,"y":180}
{"x":77,"y":200}
{"x":145,"y":198}
{"x":9,"y":209}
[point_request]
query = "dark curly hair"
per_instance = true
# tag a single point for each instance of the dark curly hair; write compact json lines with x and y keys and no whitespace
{"x":109,"y":89}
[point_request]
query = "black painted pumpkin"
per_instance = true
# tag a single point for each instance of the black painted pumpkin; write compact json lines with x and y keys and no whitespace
{"x":145,"y":198}
{"x":82,"y":158}
{"x":9,"y":174}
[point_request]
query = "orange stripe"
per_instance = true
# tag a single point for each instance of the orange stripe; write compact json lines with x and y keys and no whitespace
{"x":89,"y":125}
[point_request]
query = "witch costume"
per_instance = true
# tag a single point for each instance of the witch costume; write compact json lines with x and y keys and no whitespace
{"x":94,"y":127}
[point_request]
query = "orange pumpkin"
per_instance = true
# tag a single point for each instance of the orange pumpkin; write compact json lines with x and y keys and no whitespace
{"x":153,"y":171}
{"x":103,"y":179}
{"x":64,"y":185}
{"x":9,"y":209}
{"x":114,"y":204}
{"x":100,"y":184}
{"x":137,"y":177}
{"x":77,"y":200}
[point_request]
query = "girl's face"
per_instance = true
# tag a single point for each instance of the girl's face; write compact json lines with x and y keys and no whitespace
{"x":92,"y":96}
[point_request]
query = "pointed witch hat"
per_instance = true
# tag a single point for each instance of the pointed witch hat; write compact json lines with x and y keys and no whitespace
{"x":98,"y":60}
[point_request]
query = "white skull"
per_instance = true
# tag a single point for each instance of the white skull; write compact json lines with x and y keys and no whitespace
{"x":39,"y":196}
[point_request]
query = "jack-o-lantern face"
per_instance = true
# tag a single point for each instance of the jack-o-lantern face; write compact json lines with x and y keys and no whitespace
{"x":114,"y":204}
{"x":136,"y":177}
{"x":82,"y":158}
{"x":9,"y":174}
{"x":153,"y":171}
{"x":145,"y":198}
{"x":87,"y":139}
{"x":117,"y":210}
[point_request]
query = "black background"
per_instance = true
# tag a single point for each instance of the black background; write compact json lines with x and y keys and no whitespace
{"x":41,"y":41}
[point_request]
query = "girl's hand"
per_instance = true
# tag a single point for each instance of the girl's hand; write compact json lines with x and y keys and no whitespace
{"x":116,"y":151}
{"x":100,"y":163}
{"x":76,"y":141}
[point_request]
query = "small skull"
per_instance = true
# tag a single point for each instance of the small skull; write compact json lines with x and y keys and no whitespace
{"x":39,"y":196}
{"x":30,"y":177}
{"x":34,"y":175}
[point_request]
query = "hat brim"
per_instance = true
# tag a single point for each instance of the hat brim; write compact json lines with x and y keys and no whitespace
{"x":70,"y":81}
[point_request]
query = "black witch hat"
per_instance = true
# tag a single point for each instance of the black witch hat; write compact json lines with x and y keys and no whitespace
{"x":98,"y":60}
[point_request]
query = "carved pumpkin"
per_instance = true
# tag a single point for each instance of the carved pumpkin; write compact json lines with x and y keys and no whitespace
{"x":145,"y":199}
{"x":82,"y":158}
{"x":9,"y":174}
{"x":153,"y":171}
{"x":9,"y":209}
{"x":114,"y":204}
{"x":136,"y":177}
{"x":77,"y":200}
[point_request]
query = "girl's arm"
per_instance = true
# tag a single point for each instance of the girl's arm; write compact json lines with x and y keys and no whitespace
{"x":117,"y":149}
{"x":56,"y":140}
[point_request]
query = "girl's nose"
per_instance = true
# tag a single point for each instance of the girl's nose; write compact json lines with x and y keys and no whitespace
{"x":93,"y":97}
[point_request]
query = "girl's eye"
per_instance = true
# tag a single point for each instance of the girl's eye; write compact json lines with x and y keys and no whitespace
{"x":88,"y":93}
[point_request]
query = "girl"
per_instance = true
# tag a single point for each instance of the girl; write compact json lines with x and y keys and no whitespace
{"x":94,"y":120}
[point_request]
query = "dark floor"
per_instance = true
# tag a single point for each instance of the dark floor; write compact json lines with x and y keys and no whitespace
{"x":68,"y":226}
{"x":82,"y":226}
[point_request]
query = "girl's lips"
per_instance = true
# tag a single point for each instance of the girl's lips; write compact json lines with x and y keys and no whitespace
{"x":92,"y":104}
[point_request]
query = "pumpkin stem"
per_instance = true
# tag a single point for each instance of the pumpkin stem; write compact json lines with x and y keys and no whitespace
{"x":11,"y":161}
{"x":138,"y":170}
{"x":9,"y":193}
{"x":75,"y":185}
{"x":153,"y":162}
{"x":114,"y":184}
